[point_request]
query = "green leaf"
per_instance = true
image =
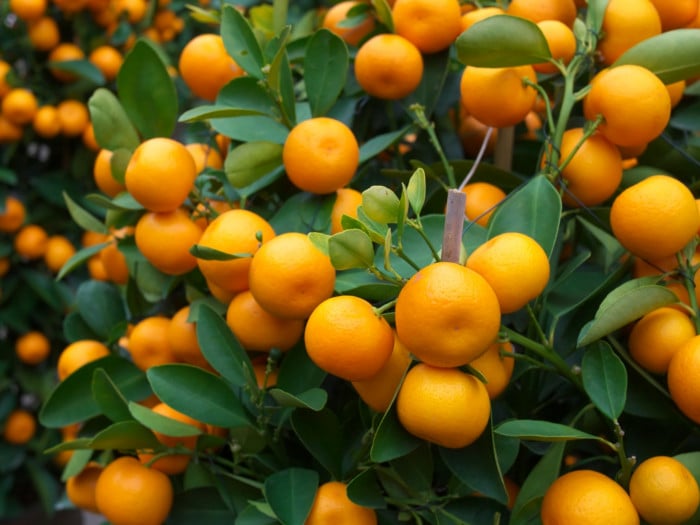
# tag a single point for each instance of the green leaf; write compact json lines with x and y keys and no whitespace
{"x":534,"y":209}
{"x":364,"y":489}
{"x":80,"y":68}
{"x":415,"y":190}
{"x":291,"y":493}
{"x":108,"y":397}
{"x":391,"y":440}
{"x":280,"y":79}
{"x":380,"y":204}
{"x":82,"y":217}
{"x":351,"y":249}
{"x":101,"y":307}
{"x":502,"y":41}
{"x":212,"y":254}
{"x":249,"y":162}
{"x":378,"y":143}
{"x":595,"y":14}
{"x":147,"y":91}
{"x":625,"y":304}
{"x":78,"y":259}
{"x":314,"y":398}
{"x":605,"y":379}
{"x":198,"y":394}
{"x":672,"y":55}
{"x":201,"y":113}
{"x":536,"y":484}
{"x":304,"y":212}
{"x":298,"y":373}
{"x":113,"y":129}
{"x":124,"y":435}
{"x":247,"y":93}
{"x":539,"y":430}
{"x":383,"y":13}
{"x":325,"y":70}
{"x":162,"y":424}
{"x":240,"y":42}
{"x":322,"y":435}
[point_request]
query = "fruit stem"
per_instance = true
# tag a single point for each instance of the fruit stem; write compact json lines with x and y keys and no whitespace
{"x":626,"y":463}
{"x":454,"y":223}
{"x":422,"y":121}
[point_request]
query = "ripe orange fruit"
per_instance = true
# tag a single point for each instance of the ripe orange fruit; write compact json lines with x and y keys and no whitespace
{"x":80,"y":488}
{"x":682,"y":378}
{"x":417,"y":20}
{"x":378,"y":391}
{"x":234,"y":232}
{"x":19,"y":427}
{"x":9,"y":131}
{"x":626,"y":23}
{"x":120,"y":493}
{"x":12,"y":215}
{"x":257,"y":329}
{"x":182,"y":337}
{"x":332,"y":505}
{"x":58,"y":250}
{"x":345,"y":337}
{"x":337,"y":14}
{"x":19,"y":106}
{"x":5,"y":266}
{"x":148,"y":343}
{"x":664,"y":491}
{"x":160,"y":174}
{"x":114,"y":262}
{"x":289,"y":276}
{"x":31,"y":241}
{"x":561,"y":41}
{"x":135,"y":10}
{"x":108,"y":60}
{"x":43,"y":33}
{"x":5,"y":70}
{"x":594,"y":172}
{"x":204,"y":156}
{"x":634,"y":103}
{"x":320,"y":155}
{"x":74,"y":117}
{"x":470,"y":18}
{"x":388,"y":66}
{"x":675,"y":15}
{"x":516,"y":267}
{"x":78,"y":354}
{"x":346,"y":202}
{"x":206,"y":67}
{"x":655,"y":218}
{"x":165,"y":240}
{"x":587,"y":497}
{"x":498,"y":96}
{"x":657,"y":336}
{"x":482,"y":199}
{"x":676,"y":91}
{"x":444,"y":406}
{"x":102,"y":174}
{"x":447,"y":315}
{"x":539,"y":10}
{"x":64,"y":52}
{"x":89,"y":139}
{"x":28,"y":10}
{"x":173,"y":463}
{"x":46,"y":122}
{"x":496,"y":368}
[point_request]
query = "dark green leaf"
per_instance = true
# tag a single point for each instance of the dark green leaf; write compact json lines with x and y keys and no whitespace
{"x":80,"y":68}
{"x":304,"y":212}
{"x":162,"y":424}
{"x":113,"y":129}
{"x":101,"y":307}
{"x":325,"y":70}
{"x":391,"y":440}
{"x":605,"y":379}
{"x":298,"y":372}
{"x":214,"y":111}
{"x":378,"y":143}
{"x":282,"y":83}
{"x":247,"y":93}
{"x":78,"y":259}
{"x":291,"y":493}
{"x":124,"y":435}
{"x":252,"y":129}
{"x":249,"y":162}
{"x":212,"y":254}
{"x":536,"y":484}
{"x":240,"y":42}
{"x":364,"y":489}
{"x":108,"y":397}
{"x":200,"y":505}
{"x":82,"y":217}
{"x":322,"y":436}
{"x":314,"y":398}
{"x":540,"y":430}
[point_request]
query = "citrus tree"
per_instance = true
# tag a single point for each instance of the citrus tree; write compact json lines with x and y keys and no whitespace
{"x":327,"y":296}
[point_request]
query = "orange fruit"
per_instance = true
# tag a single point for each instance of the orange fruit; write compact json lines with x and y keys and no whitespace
{"x":320,"y":155}
{"x":561,"y":41}
{"x":28,"y":10}
{"x":444,"y":406}
{"x":46,"y":122}
{"x":5,"y":70}
{"x":5,"y":266}
{"x":108,"y":60}
{"x":594,"y":172}
{"x":539,"y":10}
{"x":332,"y":505}
{"x":587,"y":497}
{"x":9,"y":131}
{"x":90,"y":238}
{"x":495,"y":367}
{"x":346,"y":202}
{"x":675,"y":15}
{"x":626,"y":23}
{"x":447,"y":315}
{"x":482,"y":199}
{"x":96,"y":269}
{"x":675,"y":91}
{"x":78,"y":354}
{"x":80,"y":488}
{"x":31,"y":242}
{"x":683,"y":378}
{"x":417,"y":20}
{"x":345,"y":337}
{"x":378,"y":391}
{"x":32,"y":348}
{"x":655,"y":218}
{"x":664,"y":491}
{"x":89,"y":139}
{"x":43,"y":33}
{"x":19,"y":106}
{"x":206,"y":67}
{"x":289,"y":276}
{"x":257,"y":329}
{"x":114,"y":263}
{"x":149,"y":344}
{"x":173,"y":463}
{"x":388,"y":66}
{"x":64,"y":52}
{"x":470,"y":18}
{"x":135,"y":10}
{"x":182,"y":337}
{"x":165,"y":240}
{"x":12,"y":215}
{"x":74,"y":117}
{"x":634,"y":103}
{"x":260,"y":369}
{"x":498,"y":97}
{"x":204,"y":156}
{"x":58,"y":250}
{"x":102,"y":174}
{"x":160,"y":174}
{"x":233,"y":232}
{"x":120,"y":493}
{"x":337,"y":15}
{"x":516,"y":267}
{"x":19,"y":427}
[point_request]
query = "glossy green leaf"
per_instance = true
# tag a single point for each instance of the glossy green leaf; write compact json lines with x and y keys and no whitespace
{"x":322,"y":435}
{"x":198,"y":394}
{"x":290,"y":493}
{"x":82,"y":217}
{"x":247,"y":93}
{"x":252,"y":129}
{"x":281,"y":81}
{"x":249,"y":162}
{"x":672,"y":55}
{"x":364,"y":489}
{"x":325,"y":70}
{"x":201,"y":113}
{"x":108,"y":397}
{"x":304,"y":212}
{"x":391,"y":440}
{"x":351,"y":249}
{"x":380,"y":204}
{"x":314,"y":398}
{"x":162,"y":424}
{"x":147,"y":91}
{"x":113,"y":129}
{"x":605,"y":379}
{"x":212,"y":254}
{"x":80,"y":69}
{"x":78,"y":259}
{"x":534,"y":210}
{"x":124,"y":435}
{"x":378,"y":143}
{"x":298,"y":372}
{"x":101,"y":307}
{"x":240,"y":42}
{"x":502,"y":41}
{"x":540,"y":430}
{"x":536,"y":484}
